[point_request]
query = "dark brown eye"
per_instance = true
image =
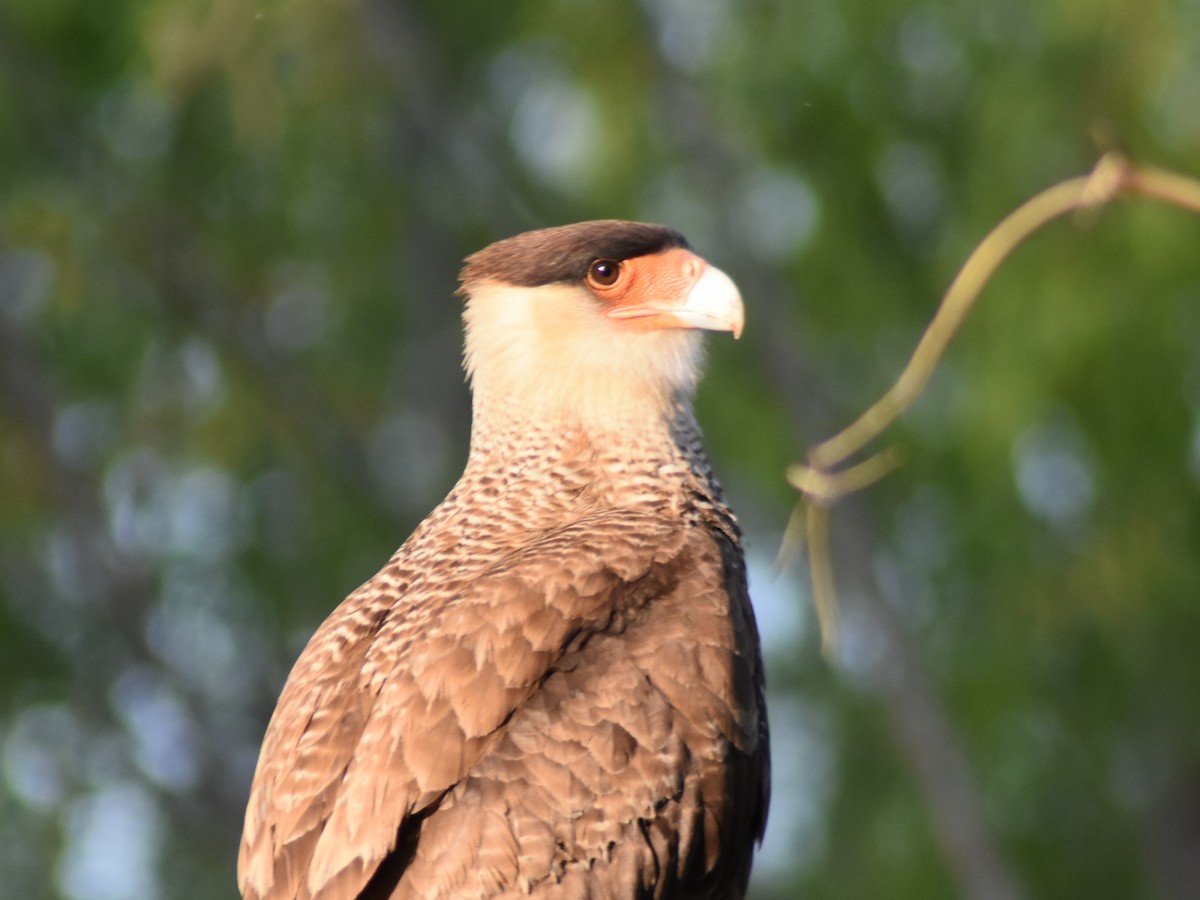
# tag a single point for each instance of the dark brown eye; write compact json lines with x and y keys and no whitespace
{"x":604,"y":272}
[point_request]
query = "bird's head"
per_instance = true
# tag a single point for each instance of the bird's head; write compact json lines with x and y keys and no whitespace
{"x":599,"y":319}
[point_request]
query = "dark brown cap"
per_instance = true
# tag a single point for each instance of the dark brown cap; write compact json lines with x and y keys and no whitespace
{"x":564,"y":253}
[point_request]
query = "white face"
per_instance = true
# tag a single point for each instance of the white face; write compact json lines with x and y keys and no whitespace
{"x":554,"y":350}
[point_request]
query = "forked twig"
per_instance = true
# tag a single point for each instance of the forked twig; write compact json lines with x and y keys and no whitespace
{"x":819,"y":479}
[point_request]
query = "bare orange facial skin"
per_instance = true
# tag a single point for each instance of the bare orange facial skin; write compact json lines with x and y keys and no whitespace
{"x":645,"y":290}
{"x":671,"y":289}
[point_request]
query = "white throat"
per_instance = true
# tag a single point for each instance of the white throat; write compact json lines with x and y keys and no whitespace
{"x":550,"y":355}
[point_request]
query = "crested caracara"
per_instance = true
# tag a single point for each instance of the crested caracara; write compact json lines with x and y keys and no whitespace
{"x":554,"y":688}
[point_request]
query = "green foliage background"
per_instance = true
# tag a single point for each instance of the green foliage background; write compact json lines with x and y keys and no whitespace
{"x":229,"y":387}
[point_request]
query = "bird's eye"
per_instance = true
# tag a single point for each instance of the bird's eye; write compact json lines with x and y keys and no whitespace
{"x":604,"y":272}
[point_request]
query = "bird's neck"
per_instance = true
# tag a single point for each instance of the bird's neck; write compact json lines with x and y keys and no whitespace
{"x":526,"y":475}
{"x":633,"y":460}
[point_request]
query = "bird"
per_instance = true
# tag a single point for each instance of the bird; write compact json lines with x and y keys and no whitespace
{"x":554,"y":689}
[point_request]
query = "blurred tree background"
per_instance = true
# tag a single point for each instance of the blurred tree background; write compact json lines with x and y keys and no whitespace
{"x":230,"y":386}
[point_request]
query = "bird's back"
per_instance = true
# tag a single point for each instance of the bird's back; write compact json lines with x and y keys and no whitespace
{"x":572,"y":722}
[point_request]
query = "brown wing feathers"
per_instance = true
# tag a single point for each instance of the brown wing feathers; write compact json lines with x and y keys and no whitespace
{"x":431,"y":720}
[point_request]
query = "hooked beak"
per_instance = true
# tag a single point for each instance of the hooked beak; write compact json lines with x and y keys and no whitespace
{"x":713,"y":304}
